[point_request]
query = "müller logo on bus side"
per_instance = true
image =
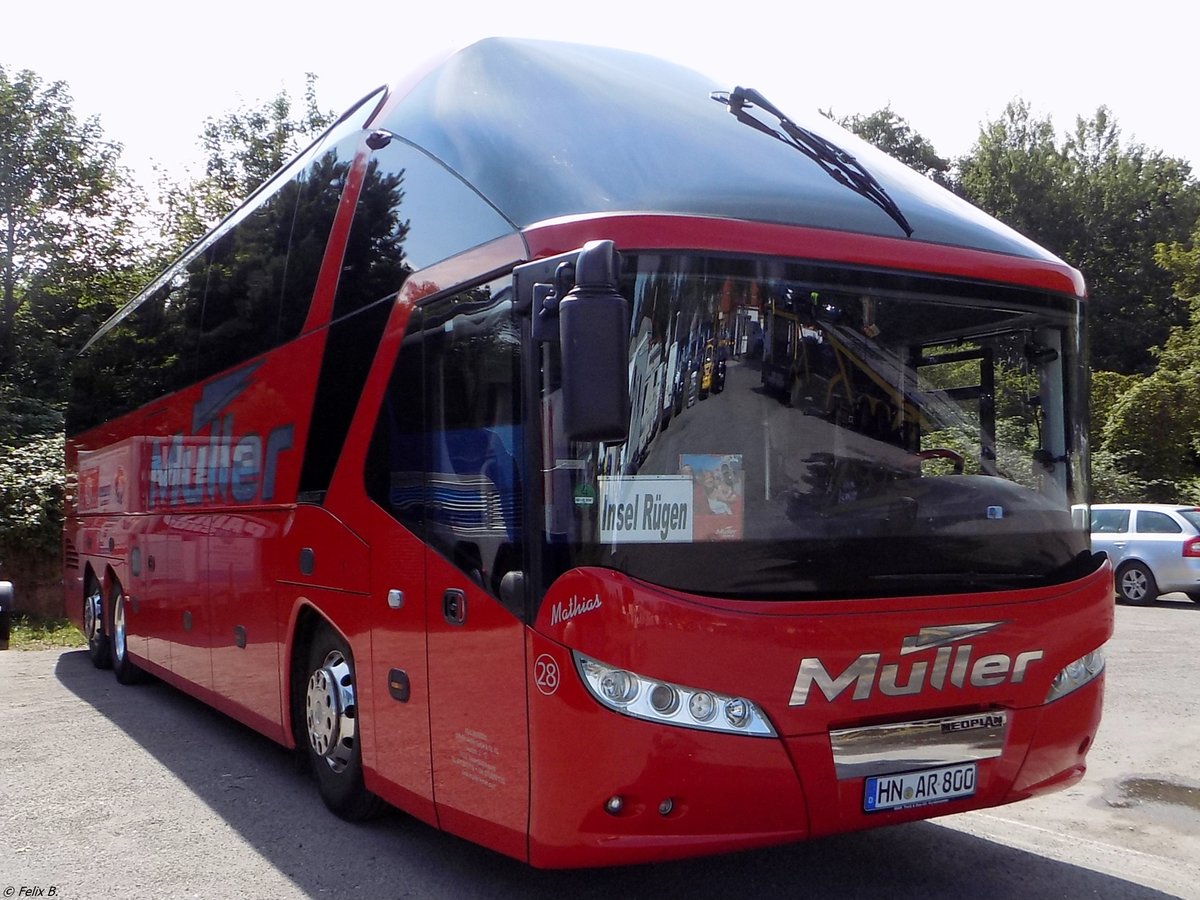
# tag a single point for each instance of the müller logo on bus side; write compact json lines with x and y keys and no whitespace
{"x":952,"y":665}
{"x":574,"y":607}
{"x":199,"y":468}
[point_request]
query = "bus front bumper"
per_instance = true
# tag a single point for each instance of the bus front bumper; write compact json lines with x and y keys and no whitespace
{"x":640,"y":792}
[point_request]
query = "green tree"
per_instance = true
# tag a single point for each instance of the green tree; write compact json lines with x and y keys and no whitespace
{"x":1106,"y":389}
{"x":1153,"y":430}
{"x":68,"y":257}
{"x":1017,"y":173}
{"x":1100,"y":205}
{"x":1127,"y":200}
{"x":243,"y":148}
{"x":1153,"y":427}
{"x":68,"y":215}
{"x":896,"y":137}
{"x":1115,"y":480}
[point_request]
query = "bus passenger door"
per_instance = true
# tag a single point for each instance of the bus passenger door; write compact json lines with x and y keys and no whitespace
{"x":472,"y":447}
{"x":477,"y":710}
{"x":443,"y":468}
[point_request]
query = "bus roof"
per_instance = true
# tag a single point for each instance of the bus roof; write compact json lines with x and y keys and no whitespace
{"x":548,"y":130}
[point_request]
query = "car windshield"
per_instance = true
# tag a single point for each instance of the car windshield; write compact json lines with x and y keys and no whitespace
{"x":802,"y":432}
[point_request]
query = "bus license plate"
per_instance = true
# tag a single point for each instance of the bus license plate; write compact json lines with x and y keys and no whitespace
{"x":919,"y":788}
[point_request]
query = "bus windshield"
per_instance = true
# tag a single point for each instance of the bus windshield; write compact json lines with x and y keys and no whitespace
{"x":810,"y":433}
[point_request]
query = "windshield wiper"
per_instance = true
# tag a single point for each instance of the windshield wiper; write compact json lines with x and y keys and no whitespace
{"x":835,"y":161}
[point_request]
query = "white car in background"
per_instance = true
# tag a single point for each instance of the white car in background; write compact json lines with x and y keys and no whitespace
{"x":1154,"y":548}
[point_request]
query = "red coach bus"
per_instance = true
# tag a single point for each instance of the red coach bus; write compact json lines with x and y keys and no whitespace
{"x":408,"y":465}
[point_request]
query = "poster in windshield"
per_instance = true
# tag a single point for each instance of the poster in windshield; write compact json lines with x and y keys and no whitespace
{"x":718,"y":491}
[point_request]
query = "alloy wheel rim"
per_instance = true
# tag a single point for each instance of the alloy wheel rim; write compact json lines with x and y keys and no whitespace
{"x":331,"y":711}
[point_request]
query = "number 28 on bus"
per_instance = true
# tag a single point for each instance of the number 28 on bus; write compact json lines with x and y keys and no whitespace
{"x":596,"y":463}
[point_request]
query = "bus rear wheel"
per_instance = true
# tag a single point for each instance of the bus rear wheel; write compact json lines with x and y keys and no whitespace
{"x":99,"y":648}
{"x":329,"y":712}
{"x":123,"y":667}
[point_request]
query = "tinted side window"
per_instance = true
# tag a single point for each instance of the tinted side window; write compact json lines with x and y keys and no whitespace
{"x":1149,"y":522}
{"x":245,"y":278}
{"x":264,"y":269}
{"x":447,"y":449}
{"x":148,"y":353}
{"x":411,"y":213}
{"x":244,"y":289}
{"x":319,"y":191}
{"x":1110,"y":521}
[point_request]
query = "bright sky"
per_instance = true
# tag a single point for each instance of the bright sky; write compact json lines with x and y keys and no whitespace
{"x":154,"y":72}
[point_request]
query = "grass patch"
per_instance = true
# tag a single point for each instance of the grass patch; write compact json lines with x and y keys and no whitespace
{"x":38,"y":633}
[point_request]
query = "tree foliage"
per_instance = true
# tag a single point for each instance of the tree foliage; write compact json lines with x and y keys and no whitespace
{"x":68,"y":256}
{"x":1152,"y":429}
{"x":243,"y":148}
{"x":31,"y":485}
{"x":892,"y":134}
{"x":67,"y":230}
{"x":1100,"y":205}
{"x":1017,"y":173}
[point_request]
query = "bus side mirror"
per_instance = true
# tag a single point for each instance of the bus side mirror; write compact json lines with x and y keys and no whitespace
{"x":593,"y":322}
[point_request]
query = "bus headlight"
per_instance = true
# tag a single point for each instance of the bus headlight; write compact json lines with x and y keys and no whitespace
{"x":1076,"y":674}
{"x":670,"y":704}
{"x":618,"y":687}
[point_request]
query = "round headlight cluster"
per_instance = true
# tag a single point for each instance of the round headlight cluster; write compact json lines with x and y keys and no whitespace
{"x":660,"y":701}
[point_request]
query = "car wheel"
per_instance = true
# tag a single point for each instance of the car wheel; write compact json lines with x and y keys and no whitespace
{"x":99,"y":648}
{"x":1135,"y":584}
{"x":330,"y":715}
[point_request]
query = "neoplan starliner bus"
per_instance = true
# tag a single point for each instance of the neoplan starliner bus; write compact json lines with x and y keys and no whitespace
{"x":380,"y":468}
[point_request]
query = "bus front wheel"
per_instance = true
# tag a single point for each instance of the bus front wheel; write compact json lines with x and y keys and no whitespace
{"x":330,"y":715}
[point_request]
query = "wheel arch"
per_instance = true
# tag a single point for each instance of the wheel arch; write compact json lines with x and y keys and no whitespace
{"x":111,"y":579}
{"x":89,"y":573}
{"x":345,"y":793}
{"x":1129,"y":560}
{"x":306,"y":618}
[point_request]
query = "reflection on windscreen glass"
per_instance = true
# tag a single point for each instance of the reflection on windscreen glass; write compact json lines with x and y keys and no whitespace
{"x":792,"y":437}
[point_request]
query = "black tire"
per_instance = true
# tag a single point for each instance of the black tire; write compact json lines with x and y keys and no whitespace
{"x":94,"y":612}
{"x":328,"y":715}
{"x":123,"y":667}
{"x":1136,"y":584}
